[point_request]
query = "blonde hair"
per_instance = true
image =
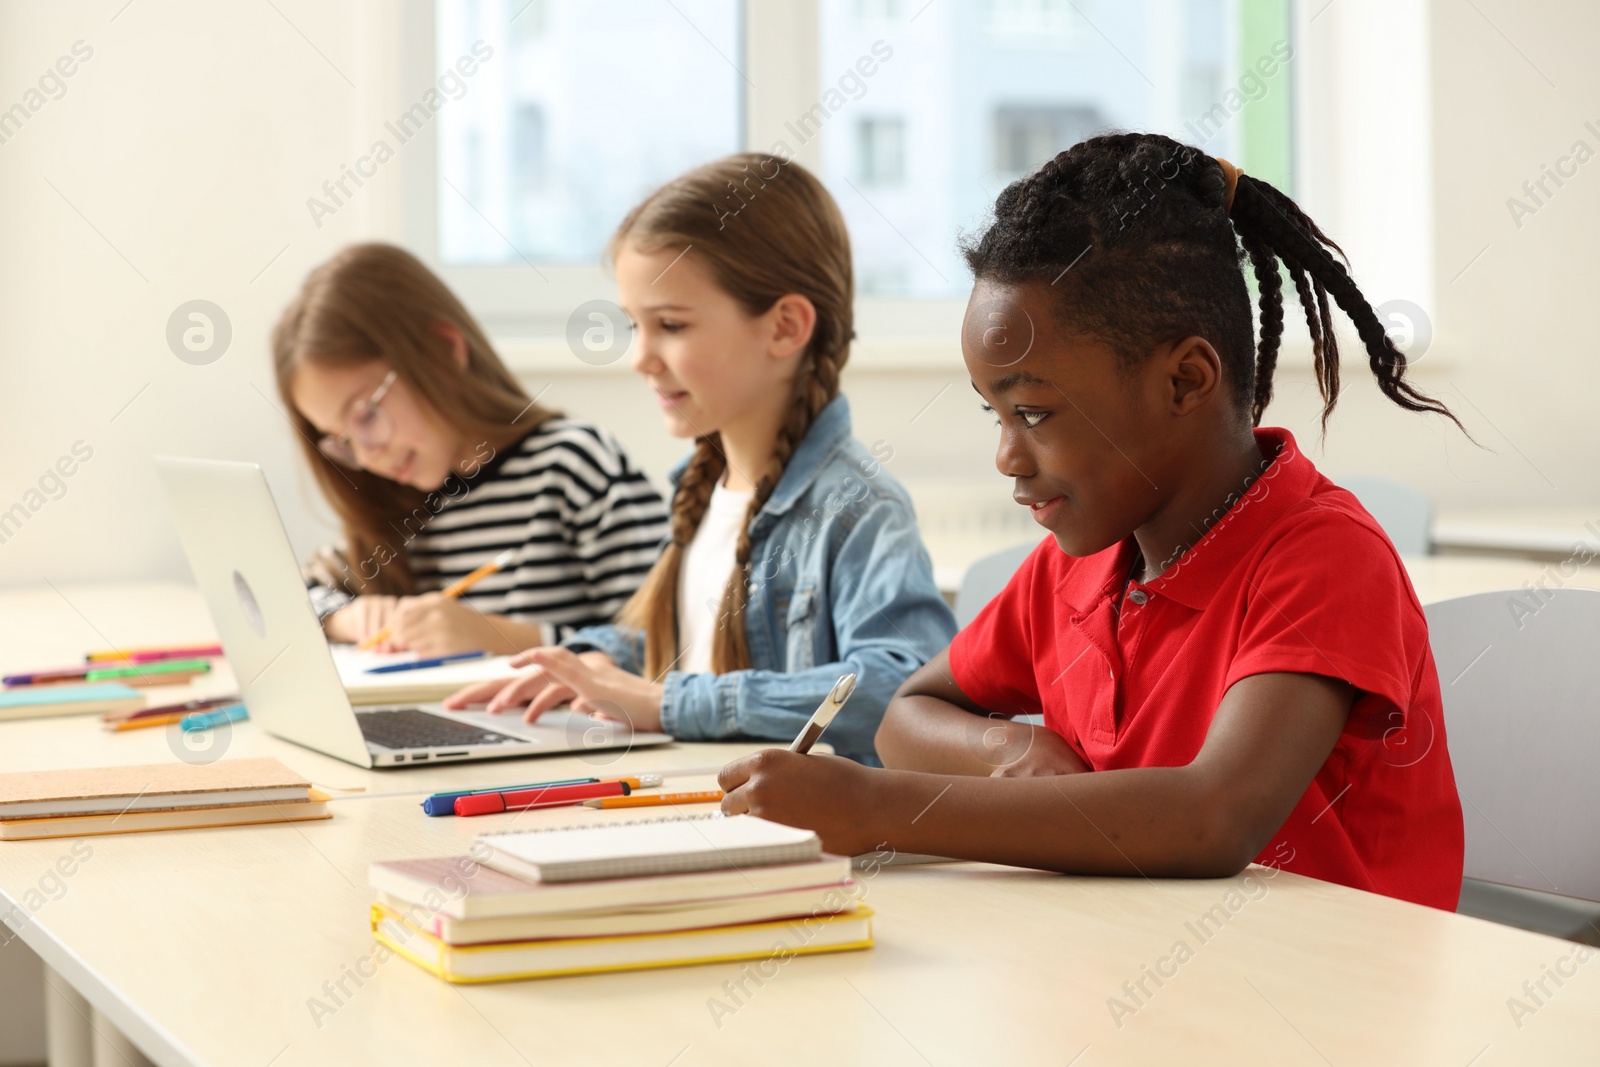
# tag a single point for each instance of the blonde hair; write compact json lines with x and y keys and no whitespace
{"x":764,"y":228}
{"x":379,"y":302}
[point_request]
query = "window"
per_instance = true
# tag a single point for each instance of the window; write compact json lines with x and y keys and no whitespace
{"x":582,"y":109}
{"x":881,"y":151}
{"x":915,"y":114}
{"x":1025,"y":137}
{"x":997,"y":87}
{"x":1033,"y":23}
{"x":528,"y":175}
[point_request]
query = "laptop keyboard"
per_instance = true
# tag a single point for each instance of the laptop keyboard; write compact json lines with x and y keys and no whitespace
{"x":404,"y":728}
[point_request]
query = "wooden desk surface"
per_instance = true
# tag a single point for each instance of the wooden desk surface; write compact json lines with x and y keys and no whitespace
{"x":229,"y":946}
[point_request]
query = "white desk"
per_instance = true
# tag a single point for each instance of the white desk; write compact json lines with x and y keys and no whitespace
{"x":1540,"y":532}
{"x":1434,"y":577}
{"x":1445,"y":577}
{"x":207,"y":946}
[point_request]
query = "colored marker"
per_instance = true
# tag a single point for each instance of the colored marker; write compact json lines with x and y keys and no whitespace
{"x":524,"y":799}
{"x":445,"y":803}
{"x":650,"y":800}
{"x":144,"y":670}
{"x":153,"y":653}
{"x":204,"y":720}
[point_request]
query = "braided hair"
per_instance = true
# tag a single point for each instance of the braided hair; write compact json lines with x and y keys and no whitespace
{"x":1141,"y":237}
{"x":764,"y":227}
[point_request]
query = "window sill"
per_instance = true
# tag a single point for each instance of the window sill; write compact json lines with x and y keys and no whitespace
{"x":545,"y":355}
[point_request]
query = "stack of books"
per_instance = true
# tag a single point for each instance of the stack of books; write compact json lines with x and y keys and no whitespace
{"x":619,"y":896}
{"x":159,"y":796}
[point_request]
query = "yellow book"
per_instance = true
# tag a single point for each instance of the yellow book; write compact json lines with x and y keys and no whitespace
{"x":510,"y":960}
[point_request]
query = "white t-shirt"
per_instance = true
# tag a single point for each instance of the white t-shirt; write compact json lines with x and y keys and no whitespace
{"x":703,"y":576}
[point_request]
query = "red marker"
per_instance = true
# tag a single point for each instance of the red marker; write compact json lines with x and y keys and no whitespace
{"x":549,"y":797}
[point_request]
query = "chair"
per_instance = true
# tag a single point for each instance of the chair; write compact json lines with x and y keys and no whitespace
{"x":986,"y":577}
{"x":1406,"y":514}
{"x":983,"y":582}
{"x":1521,"y":682}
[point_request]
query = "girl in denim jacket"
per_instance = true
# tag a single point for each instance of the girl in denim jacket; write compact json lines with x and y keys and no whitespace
{"x":794,"y":556}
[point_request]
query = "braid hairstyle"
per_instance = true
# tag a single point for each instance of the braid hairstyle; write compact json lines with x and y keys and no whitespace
{"x":763,"y":227}
{"x":1141,"y":237}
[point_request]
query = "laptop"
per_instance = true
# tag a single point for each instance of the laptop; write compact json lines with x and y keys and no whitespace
{"x":241,"y":558}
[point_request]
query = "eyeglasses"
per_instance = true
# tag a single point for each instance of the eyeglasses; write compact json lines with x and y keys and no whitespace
{"x":367,"y":424}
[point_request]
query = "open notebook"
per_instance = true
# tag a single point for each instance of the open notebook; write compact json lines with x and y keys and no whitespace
{"x":649,"y":847}
{"x":421,"y":686}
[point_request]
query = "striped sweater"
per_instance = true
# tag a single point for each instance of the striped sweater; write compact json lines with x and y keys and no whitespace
{"x":585,"y":525}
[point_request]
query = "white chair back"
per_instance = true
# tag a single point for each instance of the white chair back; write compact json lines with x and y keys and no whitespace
{"x":986,"y":577}
{"x":1406,"y":514}
{"x":1520,"y":674}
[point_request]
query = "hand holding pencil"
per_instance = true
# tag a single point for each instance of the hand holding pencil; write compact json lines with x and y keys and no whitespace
{"x":451,"y":592}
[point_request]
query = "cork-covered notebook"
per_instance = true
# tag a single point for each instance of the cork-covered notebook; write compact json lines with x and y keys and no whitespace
{"x":148,"y":787}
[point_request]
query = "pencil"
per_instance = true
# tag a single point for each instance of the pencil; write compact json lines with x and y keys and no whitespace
{"x":650,"y":800}
{"x":148,"y":720}
{"x":454,"y":590}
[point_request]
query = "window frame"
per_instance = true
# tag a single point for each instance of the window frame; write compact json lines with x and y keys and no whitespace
{"x":525,"y":306}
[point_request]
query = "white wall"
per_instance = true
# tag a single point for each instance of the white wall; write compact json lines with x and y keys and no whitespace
{"x":186,"y":147}
{"x":194,"y":135}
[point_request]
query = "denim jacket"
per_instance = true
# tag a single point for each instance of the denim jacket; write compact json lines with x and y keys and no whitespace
{"x":840,"y":582}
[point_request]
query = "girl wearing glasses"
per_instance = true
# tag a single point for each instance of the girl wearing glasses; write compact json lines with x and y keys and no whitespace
{"x":437,"y":461}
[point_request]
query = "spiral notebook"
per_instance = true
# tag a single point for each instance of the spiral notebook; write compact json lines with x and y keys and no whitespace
{"x":644,"y":848}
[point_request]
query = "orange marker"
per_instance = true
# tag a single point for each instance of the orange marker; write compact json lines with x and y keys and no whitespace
{"x":650,"y":800}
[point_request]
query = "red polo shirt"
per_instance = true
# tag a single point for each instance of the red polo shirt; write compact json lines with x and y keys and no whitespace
{"x":1296,"y":576}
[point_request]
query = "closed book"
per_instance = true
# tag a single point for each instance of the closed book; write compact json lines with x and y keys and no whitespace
{"x":147,"y":787}
{"x":312,"y":806}
{"x":509,"y":960}
{"x":38,"y":701}
{"x":648,"y":847}
{"x":461,"y":888}
{"x":632,"y":919}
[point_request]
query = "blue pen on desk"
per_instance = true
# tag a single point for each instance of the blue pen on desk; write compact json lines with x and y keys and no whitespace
{"x":418,"y":664}
{"x":204,"y":720}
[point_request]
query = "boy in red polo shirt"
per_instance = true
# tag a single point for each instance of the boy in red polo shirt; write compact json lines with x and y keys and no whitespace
{"x":1228,"y":655}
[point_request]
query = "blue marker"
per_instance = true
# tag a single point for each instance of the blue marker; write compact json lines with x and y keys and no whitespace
{"x":445,"y":803}
{"x":418,"y":664}
{"x":204,"y":720}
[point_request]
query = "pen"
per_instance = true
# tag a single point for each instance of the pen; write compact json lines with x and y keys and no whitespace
{"x":64,"y":674}
{"x":204,"y":720}
{"x":172,"y":666}
{"x":418,"y":664}
{"x":454,"y":590}
{"x":147,"y":655}
{"x":824,"y":714}
{"x":198,"y":704}
{"x":445,"y":803}
{"x":523,"y":799}
{"x":650,"y":800}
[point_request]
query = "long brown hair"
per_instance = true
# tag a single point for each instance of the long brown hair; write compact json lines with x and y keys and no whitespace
{"x":379,"y":302}
{"x":764,"y":228}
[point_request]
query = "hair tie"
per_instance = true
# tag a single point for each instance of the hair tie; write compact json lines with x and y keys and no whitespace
{"x":1230,"y":180}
